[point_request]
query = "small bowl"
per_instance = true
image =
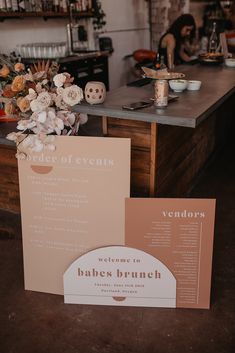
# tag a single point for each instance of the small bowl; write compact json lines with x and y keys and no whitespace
{"x":194,"y":85}
{"x":230,"y":62}
{"x":178,"y":85}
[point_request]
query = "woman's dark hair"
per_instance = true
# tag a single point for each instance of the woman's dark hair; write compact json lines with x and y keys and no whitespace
{"x":175,"y":30}
{"x":178,"y":24}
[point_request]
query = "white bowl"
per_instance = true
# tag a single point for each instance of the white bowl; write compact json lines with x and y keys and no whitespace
{"x":178,"y":85}
{"x":230,"y":62}
{"x":194,"y":85}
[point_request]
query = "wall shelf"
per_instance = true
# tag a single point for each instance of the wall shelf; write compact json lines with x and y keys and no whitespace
{"x":45,"y":15}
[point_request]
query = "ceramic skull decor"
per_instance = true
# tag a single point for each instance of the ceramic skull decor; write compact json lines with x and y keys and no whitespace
{"x":95,"y":92}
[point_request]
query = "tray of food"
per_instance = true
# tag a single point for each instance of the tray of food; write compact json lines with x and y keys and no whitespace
{"x":211,"y":58}
{"x":161,"y":74}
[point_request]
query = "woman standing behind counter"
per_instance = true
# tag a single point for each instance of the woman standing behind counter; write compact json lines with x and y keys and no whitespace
{"x":173,"y":44}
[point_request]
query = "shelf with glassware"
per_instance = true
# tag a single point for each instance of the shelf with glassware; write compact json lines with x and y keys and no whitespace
{"x":56,"y":6}
{"x":45,"y":15}
{"x":46,"y":8}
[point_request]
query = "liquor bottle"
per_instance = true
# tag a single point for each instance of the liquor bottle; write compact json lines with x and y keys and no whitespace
{"x":33,"y":5}
{"x":78,"y":6}
{"x":89,"y":4}
{"x":50,"y":5}
{"x":2,"y":5}
{"x":14,"y":4}
{"x":8,"y":5}
{"x":84,"y":5}
{"x":38,"y":5}
{"x":44,"y":5}
{"x":28,"y":7}
{"x":56,"y":5}
{"x":157,"y":62}
{"x":63,"y":6}
{"x":21,"y":5}
{"x":213,"y":40}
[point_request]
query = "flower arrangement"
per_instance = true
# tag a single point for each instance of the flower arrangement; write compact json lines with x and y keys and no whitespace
{"x":42,"y":99}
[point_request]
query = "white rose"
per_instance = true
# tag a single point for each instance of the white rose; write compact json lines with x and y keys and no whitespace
{"x":51,"y":113}
{"x":72,"y":95}
{"x":13,"y":136}
{"x":59,"y":80}
{"x":32,"y":95}
{"x":60,"y":103}
{"x":35,"y":106}
{"x":71,"y":118}
{"x":25,"y":124}
{"x":59,"y":126}
{"x":44,"y":99}
{"x":42,"y":116}
{"x":59,"y":90}
{"x":33,"y":143}
{"x":42,"y":102}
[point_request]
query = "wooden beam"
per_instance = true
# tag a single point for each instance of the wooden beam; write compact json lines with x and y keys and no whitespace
{"x":105,"y":125}
{"x":153,"y":160}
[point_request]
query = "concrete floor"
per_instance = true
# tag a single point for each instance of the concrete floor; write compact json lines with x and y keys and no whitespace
{"x":33,"y":322}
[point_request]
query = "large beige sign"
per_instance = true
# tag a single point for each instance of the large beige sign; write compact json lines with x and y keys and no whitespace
{"x":72,"y":201}
{"x":179,"y":233}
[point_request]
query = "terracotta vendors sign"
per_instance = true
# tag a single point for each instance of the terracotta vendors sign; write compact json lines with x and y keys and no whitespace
{"x":166,"y":260}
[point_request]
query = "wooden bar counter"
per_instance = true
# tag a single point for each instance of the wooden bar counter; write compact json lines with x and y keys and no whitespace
{"x":169,"y":146}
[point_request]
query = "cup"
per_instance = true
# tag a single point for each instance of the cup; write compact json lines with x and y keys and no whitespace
{"x":95,"y":92}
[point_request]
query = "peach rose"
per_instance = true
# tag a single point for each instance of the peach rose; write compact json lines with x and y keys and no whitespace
{"x":4,"y":72}
{"x":23,"y":104}
{"x":9,"y":109}
{"x":19,"y":67}
{"x":18,"y":84}
{"x":7,"y":92}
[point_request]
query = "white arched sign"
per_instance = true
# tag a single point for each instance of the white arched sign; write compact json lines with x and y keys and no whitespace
{"x":119,"y":275}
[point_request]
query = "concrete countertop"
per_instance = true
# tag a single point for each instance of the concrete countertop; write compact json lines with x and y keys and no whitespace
{"x":189,"y":110}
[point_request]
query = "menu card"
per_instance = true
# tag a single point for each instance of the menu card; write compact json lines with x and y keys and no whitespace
{"x":179,"y":233}
{"x":72,"y":201}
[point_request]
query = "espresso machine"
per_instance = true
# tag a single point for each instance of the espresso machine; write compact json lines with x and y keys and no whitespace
{"x":80,"y":33}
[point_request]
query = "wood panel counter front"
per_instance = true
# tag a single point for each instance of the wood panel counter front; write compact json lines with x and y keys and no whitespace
{"x":170,"y":146}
